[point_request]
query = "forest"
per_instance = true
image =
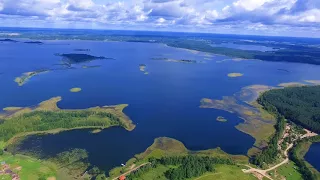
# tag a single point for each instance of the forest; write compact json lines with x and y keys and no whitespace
{"x":48,"y":120}
{"x":300,"y":105}
{"x":184,"y":166}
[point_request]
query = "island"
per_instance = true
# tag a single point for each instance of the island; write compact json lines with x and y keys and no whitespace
{"x":82,"y":50}
{"x":28,"y":75}
{"x":87,"y":67}
{"x":234,"y":75}
{"x":221,"y":119}
{"x":142,"y":67}
{"x":34,"y":42}
{"x":8,"y":40}
{"x":75,"y":90}
{"x":79,"y":58}
{"x":178,"y":60}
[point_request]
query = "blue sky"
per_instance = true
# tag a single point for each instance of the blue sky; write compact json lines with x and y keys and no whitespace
{"x":258,"y":17}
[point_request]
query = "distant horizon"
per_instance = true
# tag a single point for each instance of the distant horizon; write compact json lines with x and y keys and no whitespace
{"x":164,"y":31}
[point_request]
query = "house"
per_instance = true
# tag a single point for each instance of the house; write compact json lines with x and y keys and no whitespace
{"x":122,"y":178}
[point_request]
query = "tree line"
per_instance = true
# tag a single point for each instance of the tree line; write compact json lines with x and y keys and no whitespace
{"x":269,"y":154}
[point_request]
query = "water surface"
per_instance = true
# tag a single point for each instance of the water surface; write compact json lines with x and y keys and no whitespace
{"x":163,"y":103}
{"x":313,"y":155}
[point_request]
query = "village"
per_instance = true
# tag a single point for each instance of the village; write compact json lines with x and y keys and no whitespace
{"x":291,"y":135}
{"x":7,"y":170}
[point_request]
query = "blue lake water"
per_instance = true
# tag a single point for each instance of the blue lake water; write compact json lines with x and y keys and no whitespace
{"x":313,"y":155}
{"x":163,"y":103}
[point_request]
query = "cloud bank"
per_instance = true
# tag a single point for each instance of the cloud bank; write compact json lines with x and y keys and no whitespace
{"x":269,"y":17}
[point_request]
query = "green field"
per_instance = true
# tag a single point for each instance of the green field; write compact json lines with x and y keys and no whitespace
{"x":30,"y":168}
{"x":289,"y":171}
{"x":227,"y":172}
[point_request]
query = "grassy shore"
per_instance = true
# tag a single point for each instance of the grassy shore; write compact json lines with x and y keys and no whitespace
{"x":258,"y":122}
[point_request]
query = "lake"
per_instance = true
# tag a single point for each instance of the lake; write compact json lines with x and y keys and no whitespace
{"x":163,"y":103}
{"x":313,"y":155}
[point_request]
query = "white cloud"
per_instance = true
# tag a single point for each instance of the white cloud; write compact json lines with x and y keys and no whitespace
{"x":253,"y":15}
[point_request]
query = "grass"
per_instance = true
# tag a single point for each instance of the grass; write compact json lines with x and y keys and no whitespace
{"x":233,"y":75}
{"x":155,"y":174}
{"x":289,"y":171}
{"x":75,"y":90}
{"x":163,"y":147}
{"x":31,"y":168}
{"x":226,"y":172}
{"x":5,"y":177}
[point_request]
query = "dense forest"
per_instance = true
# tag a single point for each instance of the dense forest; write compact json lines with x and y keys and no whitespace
{"x":184,"y":166}
{"x":298,"y":104}
{"x":47,"y":120}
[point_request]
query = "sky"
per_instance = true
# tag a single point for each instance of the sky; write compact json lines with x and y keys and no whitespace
{"x":300,"y":18}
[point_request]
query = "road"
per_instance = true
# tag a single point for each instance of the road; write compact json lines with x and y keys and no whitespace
{"x":286,"y":160}
{"x":128,"y":172}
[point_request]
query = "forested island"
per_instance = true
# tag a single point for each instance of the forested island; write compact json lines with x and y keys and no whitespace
{"x":79,"y":58}
{"x":47,"y":117}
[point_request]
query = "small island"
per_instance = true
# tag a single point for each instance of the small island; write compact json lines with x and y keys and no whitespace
{"x":8,"y":40}
{"x":73,"y":58}
{"x":221,"y":119}
{"x":33,"y":42}
{"x":234,"y":75}
{"x":84,"y":50}
{"x":75,"y":90}
{"x":178,"y":60}
{"x":28,"y":75}
{"x":142,"y":67}
{"x":96,"y":131}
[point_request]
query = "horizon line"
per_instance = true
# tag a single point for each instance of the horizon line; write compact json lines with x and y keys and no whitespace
{"x":166,"y":31}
